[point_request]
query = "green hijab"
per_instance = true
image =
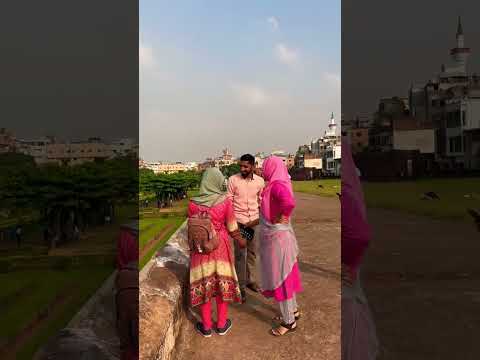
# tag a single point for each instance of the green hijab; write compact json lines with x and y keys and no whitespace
{"x":212,"y":188}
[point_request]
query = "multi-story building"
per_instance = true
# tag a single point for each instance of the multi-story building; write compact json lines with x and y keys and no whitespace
{"x":49,"y":150}
{"x":323,"y":153}
{"x":124,"y":147}
{"x":333,"y":160}
{"x":259,"y":159}
{"x":73,"y":153}
{"x":36,"y":148}
{"x":312,"y":161}
{"x":451,"y":103}
{"x":288,"y":159}
{"x":225,"y":159}
{"x":170,"y":168}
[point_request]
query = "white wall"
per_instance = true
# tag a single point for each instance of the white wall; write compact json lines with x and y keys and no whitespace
{"x":337,"y":152}
{"x":423,"y":140}
{"x":472,"y":114}
{"x":313,"y":163}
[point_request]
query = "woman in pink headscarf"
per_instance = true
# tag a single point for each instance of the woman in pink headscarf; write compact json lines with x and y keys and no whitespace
{"x":278,"y":244}
{"x":359,"y":340}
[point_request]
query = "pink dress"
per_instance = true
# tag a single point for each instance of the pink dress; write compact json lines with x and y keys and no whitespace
{"x":278,"y":245}
{"x":359,"y":340}
{"x":214,"y":274}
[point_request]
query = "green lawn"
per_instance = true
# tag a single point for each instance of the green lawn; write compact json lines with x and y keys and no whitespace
{"x":154,"y":226}
{"x":326,"y":187}
{"x":153,"y":221}
{"x":151,"y":227}
{"x":456,"y":195}
{"x":33,"y":284}
{"x":32,"y":291}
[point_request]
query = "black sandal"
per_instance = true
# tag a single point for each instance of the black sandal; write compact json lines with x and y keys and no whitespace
{"x":283,"y":329}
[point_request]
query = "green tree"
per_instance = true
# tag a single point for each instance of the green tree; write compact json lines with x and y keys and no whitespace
{"x":230,"y":170}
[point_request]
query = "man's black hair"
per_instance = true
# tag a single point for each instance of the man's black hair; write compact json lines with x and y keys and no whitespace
{"x":249,"y":158}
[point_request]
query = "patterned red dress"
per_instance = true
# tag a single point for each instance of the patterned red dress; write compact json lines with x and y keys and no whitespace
{"x":214,"y":274}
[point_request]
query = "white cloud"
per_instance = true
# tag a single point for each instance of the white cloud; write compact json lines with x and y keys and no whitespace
{"x":251,"y":95}
{"x":333,"y":79}
{"x":146,"y":57}
{"x":274,"y":23}
{"x":285,"y":55}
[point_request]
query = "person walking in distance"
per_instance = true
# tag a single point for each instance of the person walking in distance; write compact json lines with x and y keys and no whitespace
{"x":18,"y":235}
{"x":244,"y":190}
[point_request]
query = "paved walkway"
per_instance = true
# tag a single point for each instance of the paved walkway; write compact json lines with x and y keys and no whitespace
{"x":422,"y":277}
{"x":317,"y":225}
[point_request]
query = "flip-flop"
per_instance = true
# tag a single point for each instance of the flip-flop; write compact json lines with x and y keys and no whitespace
{"x":283,"y":329}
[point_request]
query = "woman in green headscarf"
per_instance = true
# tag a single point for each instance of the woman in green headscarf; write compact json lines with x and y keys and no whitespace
{"x":212,"y":188}
{"x":213,"y":275}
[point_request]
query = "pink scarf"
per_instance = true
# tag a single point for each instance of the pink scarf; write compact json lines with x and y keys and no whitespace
{"x":355,"y":228}
{"x":274,"y":172}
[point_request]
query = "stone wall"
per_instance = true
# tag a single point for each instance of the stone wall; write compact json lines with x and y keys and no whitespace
{"x":163,"y":298}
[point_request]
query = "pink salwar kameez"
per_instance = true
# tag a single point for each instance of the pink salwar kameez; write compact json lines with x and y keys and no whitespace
{"x":278,"y":245}
{"x":213,"y":276}
{"x":359,"y":341}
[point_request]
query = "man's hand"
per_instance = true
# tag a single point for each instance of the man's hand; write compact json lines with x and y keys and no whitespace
{"x":253,"y":223}
{"x":242,"y":242}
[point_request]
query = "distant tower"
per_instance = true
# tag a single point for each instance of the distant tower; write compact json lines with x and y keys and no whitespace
{"x":332,"y":127}
{"x":460,"y":53}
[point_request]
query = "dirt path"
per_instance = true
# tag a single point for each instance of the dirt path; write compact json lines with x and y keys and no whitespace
{"x":317,"y":225}
{"x":422,"y":279}
{"x":151,"y":244}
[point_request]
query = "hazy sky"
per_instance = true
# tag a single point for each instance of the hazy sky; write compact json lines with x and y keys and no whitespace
{"x":251,"y":76}
{"x":69,"y":68}
{"x":387,"y":46}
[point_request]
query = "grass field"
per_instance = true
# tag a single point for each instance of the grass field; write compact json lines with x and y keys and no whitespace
{"x":154,"y":221}
{"x":31,"y":292}
{"x":152,"y":227}
{"x":326,"y":187}
{"x":456,"y":195}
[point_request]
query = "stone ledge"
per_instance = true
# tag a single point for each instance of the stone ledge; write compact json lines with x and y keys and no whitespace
{"x":163,"y":298}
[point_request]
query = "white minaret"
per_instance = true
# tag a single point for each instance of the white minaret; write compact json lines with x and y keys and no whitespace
{"x":460,"y":53}
{"x":332,"y":127}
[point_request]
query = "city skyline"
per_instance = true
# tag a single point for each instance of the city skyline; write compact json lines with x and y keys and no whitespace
{"x":250,"y":77}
